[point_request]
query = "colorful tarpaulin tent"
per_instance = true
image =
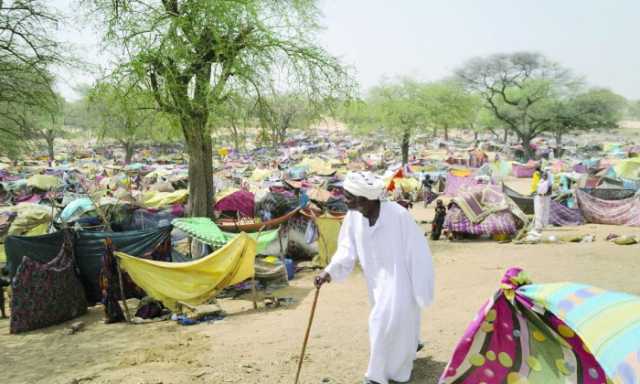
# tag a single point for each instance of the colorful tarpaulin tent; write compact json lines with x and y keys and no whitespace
{"x":613,"y":212}
{"x":328,"y":231}
{"x":206,"y":231}
{"x":549,"y":333}
{"x":159,"y":200}
{"x":44,"y":182}
{"x":628,"y":169}
{"x":197,"y":281}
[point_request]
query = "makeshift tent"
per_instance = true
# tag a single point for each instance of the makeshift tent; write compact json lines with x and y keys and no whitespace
{"x":239,"y":203}
{"x":523,"y":170}
{"x":197,"y":281}
{"x":549,"y":333}
{"x":524,"y":202}
{"x":610,"y":193}
{"x":458,"y":179}
{"x":328,"y":228}
{"x":44,"y":182}
{"x":159,"y":200}
{"x":614,"y":212}
{"x":45,"y":294}
{"x":561,"y":215}
{"x":28,"y":218}
{"x":206,"y":231}
{"x":89,"y":248}
{"x":484,"y":210}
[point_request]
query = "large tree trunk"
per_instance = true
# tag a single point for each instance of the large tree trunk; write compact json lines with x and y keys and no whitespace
{"x":506,"y":135}
{"x":50,"y":142}
{"x":475,"y":136}
{"x":529,"y":153}
{"x":405,"y":147}
{"x":446,"y":132}
{"x":558,"y":144}
{"x":128,"y":151}
{"x":199,"y":149}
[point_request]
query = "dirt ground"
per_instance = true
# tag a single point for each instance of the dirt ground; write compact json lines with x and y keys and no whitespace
{"x":261,"y":346}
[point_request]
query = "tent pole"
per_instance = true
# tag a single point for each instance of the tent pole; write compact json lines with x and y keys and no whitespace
{"x":122,"y":296}
{"x":254,"y":291}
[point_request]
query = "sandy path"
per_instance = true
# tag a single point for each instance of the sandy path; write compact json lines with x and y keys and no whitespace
{"x":261,"y":346}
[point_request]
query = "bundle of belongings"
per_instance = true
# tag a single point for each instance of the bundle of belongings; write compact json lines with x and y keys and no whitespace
{"x":549,"y":333}
{"x":483,"y":210}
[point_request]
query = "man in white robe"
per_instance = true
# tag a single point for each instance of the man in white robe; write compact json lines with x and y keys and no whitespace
{"x":542,"y":204}
{"x":396,"y":262}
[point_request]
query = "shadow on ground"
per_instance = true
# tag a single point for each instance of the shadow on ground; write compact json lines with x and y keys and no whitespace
{"x":426,"y":370}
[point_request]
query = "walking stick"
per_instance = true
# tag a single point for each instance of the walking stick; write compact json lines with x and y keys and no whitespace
{"x":306,"y":335}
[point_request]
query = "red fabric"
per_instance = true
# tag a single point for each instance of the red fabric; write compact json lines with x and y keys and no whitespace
{"x":240,"y":201}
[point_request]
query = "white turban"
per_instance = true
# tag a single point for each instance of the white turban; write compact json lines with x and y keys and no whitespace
{"x":365,"y":184}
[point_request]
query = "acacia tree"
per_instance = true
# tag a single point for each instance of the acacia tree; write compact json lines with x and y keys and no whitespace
{"x":192,"y":53}
{"x":236,"y":114}
{"x":593,"y":109}
{"x":448,"y":105}
{"x":121,"y":112}
{"x":48,"y":124}
{"x":282,"y":112}
{"x":26,"y":52}
{"x":392,"y":108}
{"x":519,"y":89}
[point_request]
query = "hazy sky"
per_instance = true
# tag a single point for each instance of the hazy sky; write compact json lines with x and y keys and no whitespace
{"x":428,"y":39}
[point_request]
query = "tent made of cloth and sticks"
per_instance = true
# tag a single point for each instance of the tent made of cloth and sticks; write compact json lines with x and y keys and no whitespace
{"x":549,"y":333}
{"x":206,"y":231}
{"x":197,"y":281}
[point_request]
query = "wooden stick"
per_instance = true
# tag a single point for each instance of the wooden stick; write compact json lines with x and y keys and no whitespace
{"x":122,"y":296}
{"x":306,"y":335}
{"x":254,"y":291}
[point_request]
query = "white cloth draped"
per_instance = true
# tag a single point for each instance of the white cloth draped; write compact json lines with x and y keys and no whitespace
{"x":396,"y":261}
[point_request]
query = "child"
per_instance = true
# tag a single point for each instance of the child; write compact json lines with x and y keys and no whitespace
{"x":438,"y":220}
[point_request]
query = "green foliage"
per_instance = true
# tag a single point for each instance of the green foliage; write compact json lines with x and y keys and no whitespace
{"x":593,"y":109}
{"x":448,"y":104}
{"x":194,"y":54}
{"x":126,"y":113}
{"x":26,"y":52}
{"x":520,"y":90}
{"x":633,"y":110}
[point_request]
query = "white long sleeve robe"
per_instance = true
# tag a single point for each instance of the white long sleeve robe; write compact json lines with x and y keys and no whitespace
{"x":396,"y":261}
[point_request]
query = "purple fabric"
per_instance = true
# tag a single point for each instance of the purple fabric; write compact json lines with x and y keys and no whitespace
{"x":520,"y":170}
{"x":562,"y":216}
{"x":494,"y":224}
{"x":32,"y":198}
{"x":580,"y":168}
{"x":614,"y":212}
{"x":454,"y":183}
{"x":240,"y":201}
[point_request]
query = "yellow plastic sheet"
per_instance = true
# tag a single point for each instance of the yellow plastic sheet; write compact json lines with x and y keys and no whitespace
{"x":163,"y":199}
{"x":197,"y":281}
{"x":328,"y":229}
{"x":44,"y":182}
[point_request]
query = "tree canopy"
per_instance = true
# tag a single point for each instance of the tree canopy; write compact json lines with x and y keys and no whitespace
{"x":192,"y":54}
{"x":530,"y":95}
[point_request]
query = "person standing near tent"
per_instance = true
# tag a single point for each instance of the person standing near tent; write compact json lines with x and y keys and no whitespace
{"x":535,"y":179}
{"x":397,"y":266}
{"x":542,"y":203}
{"x":427,"y":190}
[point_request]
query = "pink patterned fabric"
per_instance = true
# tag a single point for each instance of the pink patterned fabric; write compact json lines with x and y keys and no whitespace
{"x":494,"y":224}
{"x":522,"y":170}
{"x":613,"y":212}
{"x":454,"y":183}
